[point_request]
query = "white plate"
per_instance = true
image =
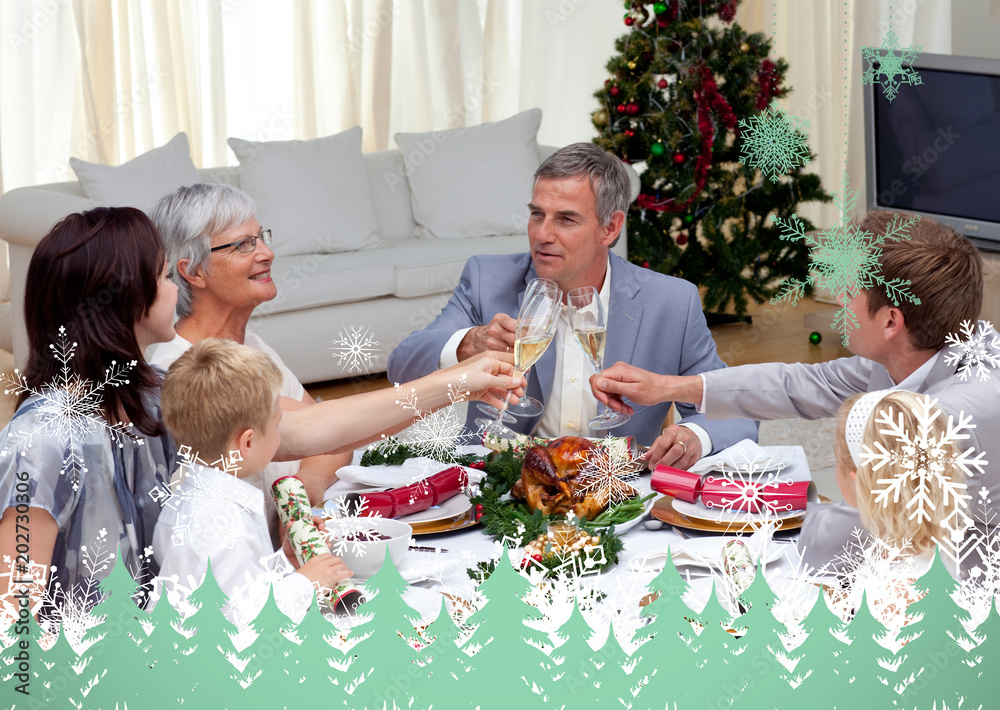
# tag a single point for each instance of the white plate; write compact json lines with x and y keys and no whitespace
{"x":451,"y":508}
{"x":625,"y":527}
{"x":699,"y":511}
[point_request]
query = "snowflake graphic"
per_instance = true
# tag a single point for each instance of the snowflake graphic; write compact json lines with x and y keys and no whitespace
{"x":774,"y":142}
{"x":347,"y":525}
{"x":358,"y":349}
{"x":982,"y":584}
{"x":925,"y":458}
{"x":70,"y":408}
{"x":886,"y":65}
{"x":435,"y":435}
{"x":980,"y":350}
{"x":608,"y":473}
{"x":845,"y":259}
{"x":751,"y":492}
{"x":200,"y":520}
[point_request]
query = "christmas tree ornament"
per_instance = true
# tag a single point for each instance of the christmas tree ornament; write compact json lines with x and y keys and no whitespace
{"x":600,"y":118}
{"x":678,"y":158}
{"x":631,"y":65}
{"x":661,"y":23}
{"x":815,"y":338}
{"x":744,"y":47}
{"x":688,"y":219}
{"x":629,"y":21}
{"x":682,"y":239}
{"x":632,"y":108}
{"x":645,"y":264}
{"x":628,"y":133}
{"x":660,"y":8}
{"x":621,"y":108}
{"x":662,"y":83}
{"x":614,"y":91}
{"x":657,"y":149}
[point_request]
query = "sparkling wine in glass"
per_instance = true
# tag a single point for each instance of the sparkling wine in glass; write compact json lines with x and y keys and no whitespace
{"x":536,"y":326}
{"x":526,"y":406}
{"x":590,"y":328}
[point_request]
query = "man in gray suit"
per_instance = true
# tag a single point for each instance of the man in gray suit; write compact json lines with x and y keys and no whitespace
{"x":896,"y":346}
{"x":577,"y":210}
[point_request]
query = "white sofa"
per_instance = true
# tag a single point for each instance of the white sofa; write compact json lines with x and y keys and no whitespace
{"x":383,"y":293}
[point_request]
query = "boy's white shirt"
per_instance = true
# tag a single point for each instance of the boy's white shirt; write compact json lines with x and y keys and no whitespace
{"x":216,"y":515}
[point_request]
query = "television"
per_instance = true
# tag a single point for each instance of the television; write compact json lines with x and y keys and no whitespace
{"x":934,"y":149}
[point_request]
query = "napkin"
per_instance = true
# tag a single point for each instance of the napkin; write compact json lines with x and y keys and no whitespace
{"x":703,"y":551}
{"x":410,"y":471}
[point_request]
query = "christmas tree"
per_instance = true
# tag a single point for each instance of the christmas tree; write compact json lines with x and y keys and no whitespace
{"x":692,"y":104}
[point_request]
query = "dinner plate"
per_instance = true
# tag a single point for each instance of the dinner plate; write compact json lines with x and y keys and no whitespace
{"x":466,"y":520}
{"x":664,"y":511}
{"x":700,"y":511}
{"x":454,"y":507}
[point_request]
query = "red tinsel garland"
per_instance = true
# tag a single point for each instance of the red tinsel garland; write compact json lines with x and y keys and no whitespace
{"x":768,"y":84}
{"x":708,"y":101}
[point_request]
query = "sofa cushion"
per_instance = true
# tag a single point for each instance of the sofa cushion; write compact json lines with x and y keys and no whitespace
{"x":310,"y":280}
{"x":390,"y":194}
{"x":313,"y":194}
{"x":142,"y":181}
{"x":426,"y":267}
{"x":471,"y":182}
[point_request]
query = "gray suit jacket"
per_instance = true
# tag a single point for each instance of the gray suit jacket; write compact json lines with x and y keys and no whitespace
{"x":780,"y":391}
{"x":655,"y":322}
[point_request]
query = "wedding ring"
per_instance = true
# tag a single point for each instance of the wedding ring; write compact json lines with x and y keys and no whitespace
{"x":682,"y":445}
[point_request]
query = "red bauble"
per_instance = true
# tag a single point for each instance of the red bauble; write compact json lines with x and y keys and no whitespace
{"x":629,"y":21}
{"x":645,"y":264}
{"x":621,"y":108}
{"x":632,"y":108}
{"x":679,"y":158}
{"x":614,"y":91}
{"x":661,"y":23}
{"x":682,"y":239}
{"x":628,"y":132}
{"x":662,"y":83}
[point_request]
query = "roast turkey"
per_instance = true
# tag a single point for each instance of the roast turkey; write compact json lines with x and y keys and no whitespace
{"x":551,"y":482}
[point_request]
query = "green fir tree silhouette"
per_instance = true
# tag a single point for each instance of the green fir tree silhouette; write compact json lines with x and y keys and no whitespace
{"x":615,"y":685}
{"x":384,"y":656}
{"x":60,"y":675}
{"x":574,"y":675}
{"x":821,"y":671}
{"x":762,"y":645}
{"x":871,"y":682}
{"x":215,"y":677}
{"x":265,"y":675}
{"x":315,"y":665}
{"x":118,"y":641}
{"x":666,"y":659}
{"x":22,"y":672}
{"x":163,"y":646}
{"x":934,"y":667}
{"x":507,"y":647}
{"x":983,"y":690}
{"x":715,"y":682}
{"x":444,"y":673}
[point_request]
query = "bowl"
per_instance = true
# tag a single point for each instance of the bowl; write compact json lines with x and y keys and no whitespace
{"x":365,"y":558}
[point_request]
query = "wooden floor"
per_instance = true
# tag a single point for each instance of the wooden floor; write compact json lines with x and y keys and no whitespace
{"x":775,"y":334}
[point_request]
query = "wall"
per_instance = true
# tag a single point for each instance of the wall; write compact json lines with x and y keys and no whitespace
{"x":975,"y":28}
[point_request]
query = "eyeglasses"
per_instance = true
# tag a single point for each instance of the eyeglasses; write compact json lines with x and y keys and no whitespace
{"x":247,"y":244}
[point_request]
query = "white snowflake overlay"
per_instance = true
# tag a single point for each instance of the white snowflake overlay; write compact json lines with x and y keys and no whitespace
{"x":70,"y":408}
{"x":925,"y":458}
{"x":978,"y":352}
{"x":748,"y":507}
{"x":349,"y":519}
{"x":202,"y":519}
{"x":358,"y":349}
{"x":437,"y":434}
{"x":608,"y":473}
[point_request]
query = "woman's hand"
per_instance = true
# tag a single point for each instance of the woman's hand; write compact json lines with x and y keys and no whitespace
{"x":488,"y":377}
{"x":326,"y":570}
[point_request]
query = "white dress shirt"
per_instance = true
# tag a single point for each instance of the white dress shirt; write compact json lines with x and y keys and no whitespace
{"x":213,"y":514}
{"x":570,"y":404}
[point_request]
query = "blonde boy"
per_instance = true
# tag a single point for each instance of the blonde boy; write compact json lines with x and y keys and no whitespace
{"x":221,"y":400}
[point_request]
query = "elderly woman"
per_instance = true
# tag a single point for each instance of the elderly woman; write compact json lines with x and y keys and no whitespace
{"x":219,"y":258}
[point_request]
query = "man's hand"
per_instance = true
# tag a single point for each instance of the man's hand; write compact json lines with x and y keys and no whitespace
{"x":497,"y":335}
{"x":677,"y":446}
{"x":643,"y":387}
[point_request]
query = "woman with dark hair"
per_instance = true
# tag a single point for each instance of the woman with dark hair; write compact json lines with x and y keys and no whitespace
{"x":86,"y":448}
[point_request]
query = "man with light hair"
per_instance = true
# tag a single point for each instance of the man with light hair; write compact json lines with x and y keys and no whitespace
{"x":576,"y":213}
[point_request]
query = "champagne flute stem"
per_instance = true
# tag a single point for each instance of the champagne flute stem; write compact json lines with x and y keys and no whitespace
{"x":506,"y":401}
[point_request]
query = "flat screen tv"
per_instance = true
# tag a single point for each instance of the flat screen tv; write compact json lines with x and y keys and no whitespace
{"x":935,"y":149}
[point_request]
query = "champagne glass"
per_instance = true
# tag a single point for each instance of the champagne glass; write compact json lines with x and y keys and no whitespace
{"x":526,"y":406}
{"x":536,"y":326}
{"x":590,"y":328}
